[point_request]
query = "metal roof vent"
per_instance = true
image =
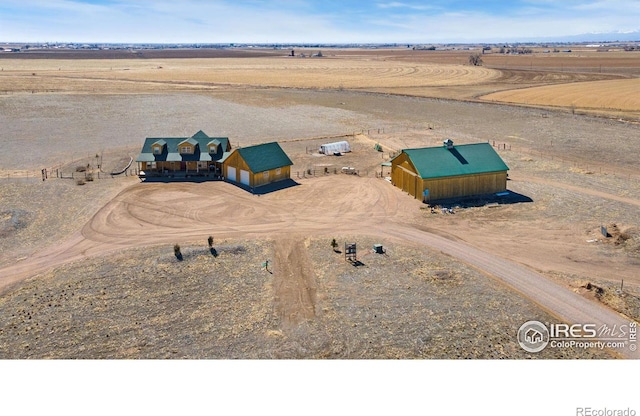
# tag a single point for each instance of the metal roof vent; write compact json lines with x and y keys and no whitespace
{"x":448,"y":144}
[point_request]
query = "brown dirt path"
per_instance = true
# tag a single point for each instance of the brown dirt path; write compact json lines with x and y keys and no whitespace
{"x":553,"y":298}
{"x":145,"y":214}
{"x":294,"y":282}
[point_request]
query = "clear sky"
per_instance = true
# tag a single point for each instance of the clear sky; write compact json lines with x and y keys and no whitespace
{"x":307,"y":21}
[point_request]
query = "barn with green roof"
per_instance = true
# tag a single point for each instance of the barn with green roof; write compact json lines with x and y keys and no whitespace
{"x":448,"y":171}
{"x":258,"y":165}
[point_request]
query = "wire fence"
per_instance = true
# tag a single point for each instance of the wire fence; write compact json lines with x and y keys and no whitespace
{"x":63,"y":173}
{"x":319,"y":173}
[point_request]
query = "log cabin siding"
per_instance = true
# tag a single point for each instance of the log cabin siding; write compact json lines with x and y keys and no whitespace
{"x":454,"y":172}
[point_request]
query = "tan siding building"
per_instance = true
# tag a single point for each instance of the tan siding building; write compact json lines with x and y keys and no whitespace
{"x":436,"y":173}
{"x":257,"y":166}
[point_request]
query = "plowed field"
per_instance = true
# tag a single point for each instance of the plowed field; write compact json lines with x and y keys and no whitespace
{"x":621,"y":96}
{"x":104,"y":75}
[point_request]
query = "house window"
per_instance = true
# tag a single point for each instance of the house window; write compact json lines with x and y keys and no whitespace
{"x":157,"y":150}
{"x":278,"y":171}
{"x":213,"y":149}
{"x":185,"y":149}
{"x":266,"y":175}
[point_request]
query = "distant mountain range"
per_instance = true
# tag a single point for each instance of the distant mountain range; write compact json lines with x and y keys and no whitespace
{"x":628,"y":36}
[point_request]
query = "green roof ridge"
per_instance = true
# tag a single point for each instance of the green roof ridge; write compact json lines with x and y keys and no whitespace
{"x":464,"y":159}
{"x":264,"y":157}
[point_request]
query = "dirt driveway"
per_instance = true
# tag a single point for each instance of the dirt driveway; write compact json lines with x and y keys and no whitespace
{"x":151,"y":213}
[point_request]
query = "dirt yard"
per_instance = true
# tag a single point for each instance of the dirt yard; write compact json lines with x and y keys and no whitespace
{"x":110,"y":241}
{"x":144,"y":303}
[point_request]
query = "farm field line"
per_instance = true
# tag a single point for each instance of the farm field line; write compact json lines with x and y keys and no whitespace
{"x":277,"y":72}
{"x":620,"y":95}
{"x":404,"y":74}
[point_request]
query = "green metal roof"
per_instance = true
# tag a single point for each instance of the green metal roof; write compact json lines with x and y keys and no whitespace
{"x":264,"y":157}
{"x":191,"y":141}
{"x":464,"y":159}
{"x":200,"y":135}
{"x":171,"y":151}
{"x":224,"y":157}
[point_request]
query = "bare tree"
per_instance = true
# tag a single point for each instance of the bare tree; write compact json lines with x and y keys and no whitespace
{"x":475,"y":59}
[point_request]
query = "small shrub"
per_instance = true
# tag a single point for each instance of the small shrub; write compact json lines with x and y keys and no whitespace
{"x":210,"y":241}
{"x":81,"y":168}
{"x":80,"y":182}
{"x":475,"y":59}
{"x":334,"y":244}
{"x":177,"y":252}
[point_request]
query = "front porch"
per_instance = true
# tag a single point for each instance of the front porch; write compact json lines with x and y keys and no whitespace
{"x":180,"y":170}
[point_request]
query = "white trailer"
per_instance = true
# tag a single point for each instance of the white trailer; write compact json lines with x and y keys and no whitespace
{"x":335,"y":148}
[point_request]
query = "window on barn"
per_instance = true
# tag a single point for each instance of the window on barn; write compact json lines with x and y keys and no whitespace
{"x":185,"y":149}
{"x":266,"y":175}
{"x":157,"y":150}
{"x":278,"y":171}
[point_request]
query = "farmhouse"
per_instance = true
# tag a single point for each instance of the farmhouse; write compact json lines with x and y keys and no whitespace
{"x":435,"y":173}
{"x":170,"y":155}
{"x":258,"y":165}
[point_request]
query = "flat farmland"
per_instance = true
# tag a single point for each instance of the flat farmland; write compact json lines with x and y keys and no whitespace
{"x":437,"y":74}
{"x":292,"y":72}
{"x":91,"y":252}
{"x":613,"y":96}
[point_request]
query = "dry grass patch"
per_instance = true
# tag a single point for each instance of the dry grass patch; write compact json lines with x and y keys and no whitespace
{"x":612,"y":95}
{"x":144,"y":303}
{"x":36,"y":214}
{"x":414,"y":303}
{"x":615,"y":295}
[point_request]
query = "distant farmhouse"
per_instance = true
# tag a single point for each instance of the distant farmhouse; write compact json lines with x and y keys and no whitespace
{"x":199,"y":154}
{"x":448,"y":171}
{"x":204,"y":156}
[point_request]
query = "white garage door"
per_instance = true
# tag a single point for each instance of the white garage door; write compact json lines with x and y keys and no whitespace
{"x":244,"y":177}
{"x":231,"y":173}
